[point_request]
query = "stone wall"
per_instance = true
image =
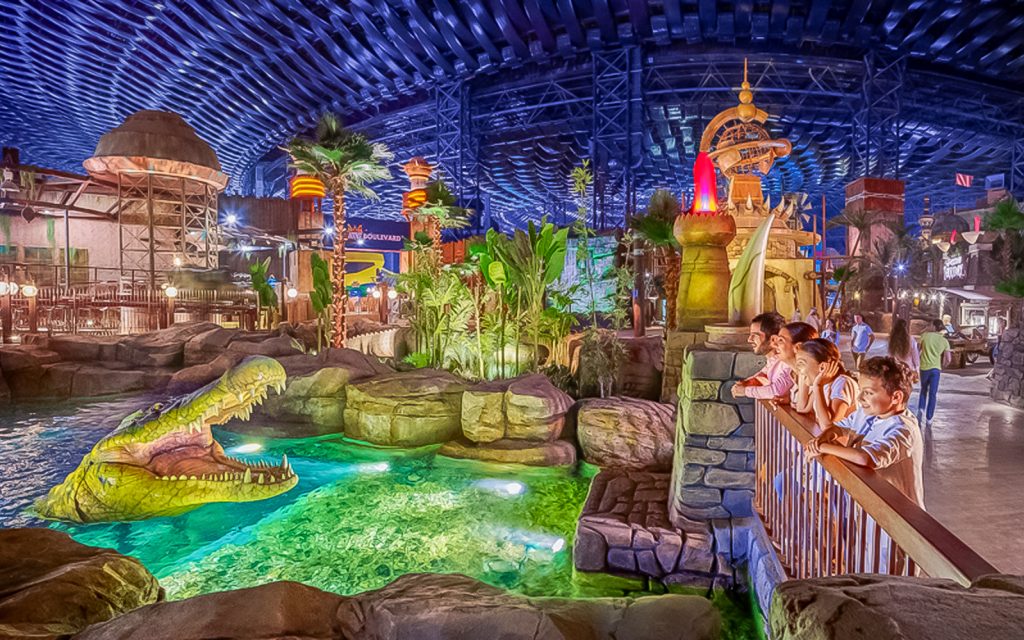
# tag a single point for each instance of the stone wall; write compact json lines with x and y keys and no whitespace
{"x":713,"y":469}
{"x":1008,"y":373}
{"x":676,"y":343}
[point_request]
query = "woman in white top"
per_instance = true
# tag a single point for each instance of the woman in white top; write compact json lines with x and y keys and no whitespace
{"x":819,"y":366}
{"x":903,"y":347}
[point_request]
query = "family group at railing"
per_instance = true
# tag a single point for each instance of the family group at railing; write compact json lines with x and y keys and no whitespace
{"x":839,"y":462}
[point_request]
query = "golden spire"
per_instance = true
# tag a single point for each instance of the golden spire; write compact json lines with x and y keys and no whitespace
{"x":746,"y":109}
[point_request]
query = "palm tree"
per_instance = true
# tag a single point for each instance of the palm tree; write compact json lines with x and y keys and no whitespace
{"x":655,"y":228}
{"x":1008,"y":220}
{"x":861,"y":221}
{"x":346,"y":162}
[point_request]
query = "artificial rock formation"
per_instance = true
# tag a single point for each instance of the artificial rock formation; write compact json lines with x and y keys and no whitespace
{"x":525,"y":408}
{"x":626,"y":433}
{"x":624,"y":529}
{"x":415,"y":606}
{"x":1008,"y":372}
{"x":405,"y":409}
{"x":515,"y":421}
{"x":52,"y":586}
{"x":873,"y":607}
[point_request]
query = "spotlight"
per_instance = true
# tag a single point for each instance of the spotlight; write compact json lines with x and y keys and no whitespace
{"x":231,"y":218}
{"x":292,"y":292}
{"x":328,"y":231}
{"x":376,"y":293}
{"x":392,"y":294}
{"x":171,"y":291}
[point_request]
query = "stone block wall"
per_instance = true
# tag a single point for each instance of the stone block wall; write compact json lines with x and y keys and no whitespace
{"x":713,"y":468}
{"x":1008,"y":373}
{"x":676,"y":343}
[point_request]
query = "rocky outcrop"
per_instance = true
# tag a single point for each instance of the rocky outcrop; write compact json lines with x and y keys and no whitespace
{"x":405,"y":409}
{"x":525,"y":408}
{"x":164,"y":348}
{"x":624,"y":529}
{"x":412,"y":607}
{"x":1008,"y":372}
{"x":891,"y":608}
{"x":535,"y":454}
{"x":627,"y":433}
{"x":51,"y":586}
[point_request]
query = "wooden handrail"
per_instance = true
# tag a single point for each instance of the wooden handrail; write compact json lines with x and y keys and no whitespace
{"x":933,"y":547}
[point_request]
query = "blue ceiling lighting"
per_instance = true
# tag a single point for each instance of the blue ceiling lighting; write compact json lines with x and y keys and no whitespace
{"x":509,"y":95}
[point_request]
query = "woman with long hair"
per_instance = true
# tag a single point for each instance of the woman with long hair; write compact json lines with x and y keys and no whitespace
{"x":903,"y":347}
{"x":822,"y":380}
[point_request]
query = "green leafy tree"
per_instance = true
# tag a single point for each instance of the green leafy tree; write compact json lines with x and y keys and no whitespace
{"x":655,"y":227}
{"x":321,"y":297}
{"x":1008,"y":220}
{"x":346,"y":162}
{"x":266,"y":296}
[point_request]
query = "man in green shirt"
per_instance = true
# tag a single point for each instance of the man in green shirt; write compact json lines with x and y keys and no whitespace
{"x":935,"y":354}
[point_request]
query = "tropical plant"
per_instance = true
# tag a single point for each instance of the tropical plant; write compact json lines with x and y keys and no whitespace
{"x":346,"y":162}
{"x":656,"y":228}
{"x":266,"y":296}
{"x":441,"y":208}
{"x":861,"y":221}
{"x":320,"y":298}
{"x":1008,"y":220}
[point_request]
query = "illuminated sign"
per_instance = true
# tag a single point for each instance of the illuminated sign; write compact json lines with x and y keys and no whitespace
{"x":954,"y":268}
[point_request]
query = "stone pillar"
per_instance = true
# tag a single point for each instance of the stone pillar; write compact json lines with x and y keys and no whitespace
{"x":1008,"y":373}
{"x":713,"y":467}
{"x":676,"y":343}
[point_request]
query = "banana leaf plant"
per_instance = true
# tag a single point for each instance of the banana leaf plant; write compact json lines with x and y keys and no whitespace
{"x":321,"y":297}
{"x":266,"y":296}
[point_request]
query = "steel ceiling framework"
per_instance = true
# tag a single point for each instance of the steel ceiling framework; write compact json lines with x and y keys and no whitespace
{"x":510,"y":94}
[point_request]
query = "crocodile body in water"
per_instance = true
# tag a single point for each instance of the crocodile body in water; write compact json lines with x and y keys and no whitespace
{"x":164,"y":461}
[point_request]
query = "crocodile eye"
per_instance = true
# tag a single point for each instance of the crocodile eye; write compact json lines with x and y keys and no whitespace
{"x":158,"y":406}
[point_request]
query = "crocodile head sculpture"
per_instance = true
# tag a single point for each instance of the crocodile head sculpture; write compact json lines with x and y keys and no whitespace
{"x":164,"y":461}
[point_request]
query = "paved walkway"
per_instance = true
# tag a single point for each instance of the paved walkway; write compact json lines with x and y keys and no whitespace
{"x":974,"y":464}
{"x":974,"y":468}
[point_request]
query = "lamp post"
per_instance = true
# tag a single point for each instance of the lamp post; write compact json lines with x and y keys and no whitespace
{"x":30,"y":292}
{"x":171,"y":292}
{"x":290,"y":294}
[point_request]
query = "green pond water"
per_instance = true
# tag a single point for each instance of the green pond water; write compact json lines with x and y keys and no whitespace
{"x":359,"y":517}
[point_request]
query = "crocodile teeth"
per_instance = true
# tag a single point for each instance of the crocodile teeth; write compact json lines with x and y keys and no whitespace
{"x":259,"y":478}
{"x":248,"y":476}
{"x":284,"y":461}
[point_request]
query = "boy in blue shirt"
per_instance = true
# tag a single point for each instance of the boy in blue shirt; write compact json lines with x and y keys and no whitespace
{"x":882,"y":434}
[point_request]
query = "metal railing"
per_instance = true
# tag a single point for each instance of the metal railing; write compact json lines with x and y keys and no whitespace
{"x":830,"y":517}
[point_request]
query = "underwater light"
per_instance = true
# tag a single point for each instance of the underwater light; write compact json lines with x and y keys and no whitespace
{"x":558,"y":546}
{"x":378,"y":467}
{"x":501,"y":487}
{"x":249,"y":447}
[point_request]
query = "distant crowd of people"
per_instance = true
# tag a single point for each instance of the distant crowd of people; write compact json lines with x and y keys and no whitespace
{"x":861,"y":417}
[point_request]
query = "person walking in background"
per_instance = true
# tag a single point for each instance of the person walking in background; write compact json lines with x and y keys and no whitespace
{"x":935,"y":354}
{"x":903,"y":347}
{"x":861,"y":339}
{"x":813,"y":319}
{"x":829,"y":332}
{"x":796,"y":315}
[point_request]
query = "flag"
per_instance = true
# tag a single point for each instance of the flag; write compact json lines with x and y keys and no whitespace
{"x":964,"y":180}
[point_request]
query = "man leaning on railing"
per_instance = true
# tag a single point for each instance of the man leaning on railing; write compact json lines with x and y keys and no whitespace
{"x":882,"y":434}
{"x":775,"y":378}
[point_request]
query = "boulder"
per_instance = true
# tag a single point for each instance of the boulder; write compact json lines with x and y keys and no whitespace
{"x":316,"y":399}
{"x":92,"y":381}
{"x":85,"y":348}
{"x":208,"y":345}
{"x":875,"y":607}
{"x":51,"y":586}
{"x":535,"y":454}
{"x":275,"y":346}
{"x":405,"y":409}
{"x":525,"y":408}
{"x":626,"y":432}
{"x":164,"y":348}
{"x":413,"y":607}
{"x":191,"y":378}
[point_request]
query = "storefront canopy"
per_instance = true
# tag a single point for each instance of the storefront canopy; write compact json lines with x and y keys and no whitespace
{"x":977,"y":296}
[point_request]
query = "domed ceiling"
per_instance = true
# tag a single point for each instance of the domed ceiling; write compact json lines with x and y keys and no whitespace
{"x":510,"y":95}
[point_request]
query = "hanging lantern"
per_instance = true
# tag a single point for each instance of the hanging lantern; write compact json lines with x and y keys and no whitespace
{"x":307,"y":187}
{"x":705,"y":189}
